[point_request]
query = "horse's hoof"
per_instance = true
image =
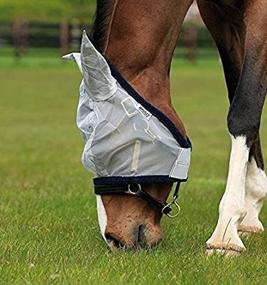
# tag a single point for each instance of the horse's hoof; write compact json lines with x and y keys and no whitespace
{"x":224,"y":250}
{"x":246,"y":231}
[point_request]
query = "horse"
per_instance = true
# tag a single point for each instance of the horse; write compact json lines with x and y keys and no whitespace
{"x":138,"y":38}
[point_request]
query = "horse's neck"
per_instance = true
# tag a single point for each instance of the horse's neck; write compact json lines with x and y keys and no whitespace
{"x":140,"y":43}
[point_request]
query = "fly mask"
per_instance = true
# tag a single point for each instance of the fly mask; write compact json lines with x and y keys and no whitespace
{"x":128,"y":141}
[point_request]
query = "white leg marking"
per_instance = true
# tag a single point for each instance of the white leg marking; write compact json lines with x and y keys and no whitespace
{"x":102,"y":216}
{"x":231,"y":210}
{"x":256,"y":193}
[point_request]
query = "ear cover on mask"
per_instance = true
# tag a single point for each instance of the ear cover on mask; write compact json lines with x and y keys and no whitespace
{"x":98,"y":80}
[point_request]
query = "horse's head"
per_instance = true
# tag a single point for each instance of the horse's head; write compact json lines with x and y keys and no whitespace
{"x":129,"y":221}
{"x":135,"y":151}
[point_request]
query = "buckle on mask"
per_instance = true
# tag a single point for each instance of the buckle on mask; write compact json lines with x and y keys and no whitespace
{"x":134,"y":189}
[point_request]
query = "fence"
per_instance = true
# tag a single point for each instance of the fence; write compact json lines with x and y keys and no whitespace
{"x":19,"y":37}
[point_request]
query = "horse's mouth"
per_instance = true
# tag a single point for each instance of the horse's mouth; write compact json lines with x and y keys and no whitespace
{"x":138,"y":242}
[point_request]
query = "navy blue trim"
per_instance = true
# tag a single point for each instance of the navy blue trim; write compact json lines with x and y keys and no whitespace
{"x":125,"y":180}
{"x":185,"y":143}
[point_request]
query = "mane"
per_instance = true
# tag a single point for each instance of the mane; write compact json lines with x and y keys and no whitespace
{"x":104,"y":11}
{"x":229,"y":12}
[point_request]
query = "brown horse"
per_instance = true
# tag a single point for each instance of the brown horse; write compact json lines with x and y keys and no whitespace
{"x":139,"y":38}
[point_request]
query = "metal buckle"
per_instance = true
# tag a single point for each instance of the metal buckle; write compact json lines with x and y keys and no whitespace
{"x":136,"y":190}
{"x":133,"y":191}
{"x":172,"y":205}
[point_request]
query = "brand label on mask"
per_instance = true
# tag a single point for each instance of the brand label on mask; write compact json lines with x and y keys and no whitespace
{"x":144,"y":112}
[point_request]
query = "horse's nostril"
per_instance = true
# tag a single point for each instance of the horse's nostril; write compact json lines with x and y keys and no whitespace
{"x":141,"y":239}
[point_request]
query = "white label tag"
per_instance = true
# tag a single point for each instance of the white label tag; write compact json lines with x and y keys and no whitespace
{"x":136,"y":155}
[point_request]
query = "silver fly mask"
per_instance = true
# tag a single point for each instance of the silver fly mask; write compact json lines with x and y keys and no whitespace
{"x":127,"y":140}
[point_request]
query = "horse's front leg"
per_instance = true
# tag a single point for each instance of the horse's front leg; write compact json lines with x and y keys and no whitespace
{"x":232,"y":205}
{"x":256,"y":191}
{"x":243,"y":123}
{"x":243,"y":47}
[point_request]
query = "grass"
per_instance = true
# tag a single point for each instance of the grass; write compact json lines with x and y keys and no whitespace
{"x":48,"y":226}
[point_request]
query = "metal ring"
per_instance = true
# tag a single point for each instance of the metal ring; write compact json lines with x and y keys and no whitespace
{"x":130,"y":191}
{"x":170,"y":205}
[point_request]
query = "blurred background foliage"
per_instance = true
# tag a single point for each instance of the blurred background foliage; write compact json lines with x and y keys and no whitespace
{"x":46,"y":27}
{"x":49,"y":11}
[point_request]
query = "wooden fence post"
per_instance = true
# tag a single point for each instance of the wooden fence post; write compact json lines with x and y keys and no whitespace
{"x":20,"y":37}
{"x":190,"y":40}
{"x":64,"y":38}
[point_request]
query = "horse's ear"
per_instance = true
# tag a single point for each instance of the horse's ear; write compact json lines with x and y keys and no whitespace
{"x":99,"y":82}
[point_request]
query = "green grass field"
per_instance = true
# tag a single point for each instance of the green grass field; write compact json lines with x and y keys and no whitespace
{"x":48,"y":227}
